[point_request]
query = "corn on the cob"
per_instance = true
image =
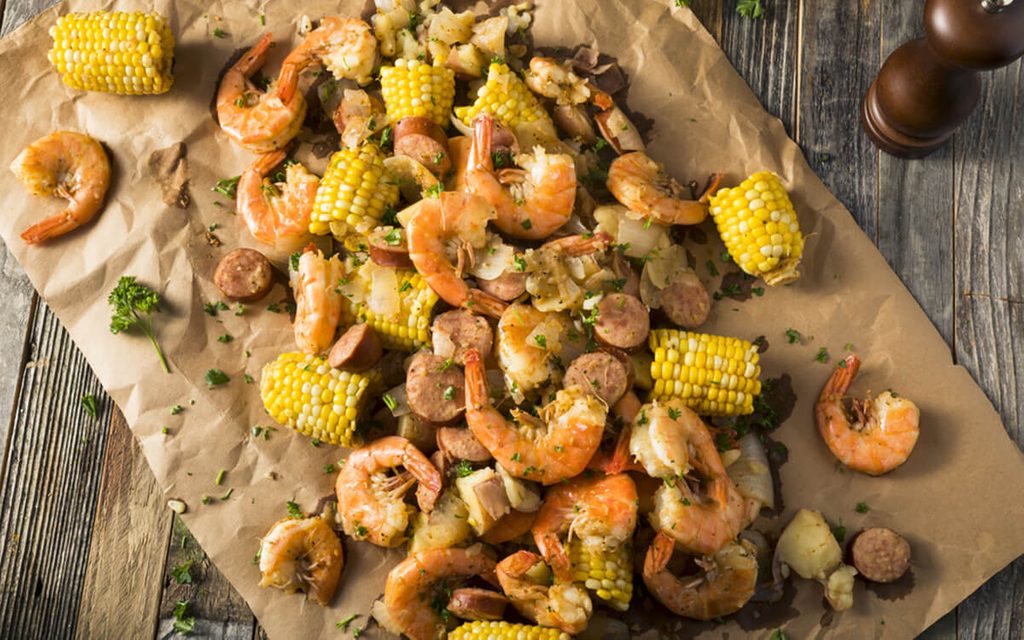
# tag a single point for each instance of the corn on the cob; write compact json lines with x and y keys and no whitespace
{"x":353,"y":194}
{"x":501,"y":630}
{"x":713,"y":375}
{"x":759,"y":227}
{"x":413,"y":88}
{"x":506,"y":97}
{"x":115,"y":52}
{"x":605,"y":571}
{"x":407,"y":330}
{"x":304,"y":393}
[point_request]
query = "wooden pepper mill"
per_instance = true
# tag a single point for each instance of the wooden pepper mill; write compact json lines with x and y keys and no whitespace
{"x":929,"y":86}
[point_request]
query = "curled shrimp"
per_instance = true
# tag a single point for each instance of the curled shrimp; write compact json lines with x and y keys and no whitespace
{"x":317,"y":300}
{"x":66,"y":165}
{"x":418,"y":582}
{"x":345,"y":46}
{"x":531,"y":201}
{"x":259,"y":121}
{"x":697,"y":523}
{"x":882,"y":433}
{"x":559,"y":272}
{"x":662,"y":436}
{"x":724,"y":583}
{"x":302,"y":555}
{"x":530,"y":346}
{"x":434,"y":225}
{"x":553,"y":448}
{"x":277,"y":213}
{"x":525,"y":580}
{"x":556,"y":81}
{"x":642,"y":185}
{"x":370,"y":492}
{"x":600,"y":512}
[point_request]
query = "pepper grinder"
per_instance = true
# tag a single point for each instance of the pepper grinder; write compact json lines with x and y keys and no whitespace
{"x":929,"y":86}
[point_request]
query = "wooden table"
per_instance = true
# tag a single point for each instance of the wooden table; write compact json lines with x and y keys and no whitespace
{"x":88,"y":544}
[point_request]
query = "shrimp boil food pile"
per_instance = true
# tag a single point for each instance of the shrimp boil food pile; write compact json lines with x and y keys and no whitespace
{"x":495,"y":315}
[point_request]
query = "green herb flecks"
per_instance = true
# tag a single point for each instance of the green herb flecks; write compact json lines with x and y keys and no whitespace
{"x":133,"y":305}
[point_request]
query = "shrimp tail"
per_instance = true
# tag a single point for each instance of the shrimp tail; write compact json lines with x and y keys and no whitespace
{"x":480,"y":151}
{"x":711,"y":187}
{"x":555,"y":555}
{"x":428,"y":479}
{"x":267,"y":161}
{"x":486,"y":303}
{"x":840,"y":380}
{"x":658,"y":554}
{"x":476,"y":381}
{"x":51,"y":227}
{"x":253,"y":59}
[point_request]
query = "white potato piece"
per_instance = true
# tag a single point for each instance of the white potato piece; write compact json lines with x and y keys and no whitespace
{"x":808,"y":547}
{"x":446,"y":526}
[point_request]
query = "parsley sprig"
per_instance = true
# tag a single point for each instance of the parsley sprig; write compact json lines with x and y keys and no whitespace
{"x":133,"y":304}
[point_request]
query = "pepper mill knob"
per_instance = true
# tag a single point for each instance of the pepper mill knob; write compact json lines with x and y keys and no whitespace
{"x":929,"y":86}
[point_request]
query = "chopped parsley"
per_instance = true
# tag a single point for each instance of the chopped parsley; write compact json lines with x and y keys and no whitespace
{"x":516,"y":457}
{"x":183,"y":623}
{"x":389,"y":401}
{"x":225,"y":338}
{"x":541,"y":340}
{"x":239,"y":309}
{"x":618,"y":284}
{"x":793,"y":336}
{"x":89,"y":404}
{"x":778,"y":634}
{"x":520,"y":263}
{"x":274,"y":308}
{"x":294,"y":511}
{"x":848,"y":346}
{"x":219,"y":33}
{"x":212,"y":308}
{"x":248,"y":379}
{"x":215,"y":378}
{"x":463,"y":468}
{"x":343,"y":625}
{"x":433,"y":191}
{"x":674,"y":413}
{"x":361,"y":531}
{"x":839,"y":533}
{"x":601,"y":143}
{"x":293,"y":260}
{"x":712,"y":269}
{"x":822,"y":355}
{"x":527,"y":224}
{"x":862,"y":507}
{"x":387,"y":139}
{"x":449,"y":393}
{"x":393,"y":238}
{"x":407,"y":285}
{"x":182,"y":573}
{"x":444,"y":366}
{"x":220,"y":477}
{"x":227,"y":187}
{"x":757,"y":291}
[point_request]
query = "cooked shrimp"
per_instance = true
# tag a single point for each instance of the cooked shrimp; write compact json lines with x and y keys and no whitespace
{"x":531,"y":201}
{"x":66,"y":165}
{"x":726,"y":580}
{"x":641,"y":184}
{"x":260,"y":122}
{"x":418,"y":583}
{"x":358,"y":116}
{"x":370,"y":493}
{"x":556,"y":81}
{"x":345,"y":46}
{"x":525,"y":580}
{"x":560,"y":272}
{"x":882,"y":433}
{"x":601,"y":512}
{"x":457,"y":220}
{"x":317,"y":299}
{"x":277,"y":213}
{"x":550,"y":449}
{"x":698,"y":524}
{"x":530,"y":346}
{"x":620,"y":459}
{"x":664,"y":433}
{"x":302,"y":555}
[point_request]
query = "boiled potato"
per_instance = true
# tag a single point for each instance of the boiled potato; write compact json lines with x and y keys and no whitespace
{"x":522,"y":494}
{"x":808,"y":547}
{"x":485,"y":498}
{"x":446,"y":526}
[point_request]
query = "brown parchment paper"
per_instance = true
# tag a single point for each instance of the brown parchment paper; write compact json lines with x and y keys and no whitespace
{"x":958,"y":499}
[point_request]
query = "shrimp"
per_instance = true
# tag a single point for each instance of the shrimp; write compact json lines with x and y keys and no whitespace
{"x":553,"y":448}
{"x":641,"y":184}
{"x":530,"y":346}
{"x":725,"y":583}
{"x":435,"y":224}
{"x":67,"y":165}
{"x":663,"y":434}
{"x":345,"y":46}
{"x":601,"y":512}
{"x":620,"y":459}
{"x":317,"y":299}
{"x":302,"y":555}
{"x":540,"y":194}
{"x":697,"y":524}
{"x":556,"y":81}
{"x":370,"y":495}
{"x":560,"y":272}
{"x":883,"y":433}
{"x":358,"y":116}
{"x":525,"y":580}
{"x":260,"y":122}
{"x":277,"y":213}
{"x":415,"y":589}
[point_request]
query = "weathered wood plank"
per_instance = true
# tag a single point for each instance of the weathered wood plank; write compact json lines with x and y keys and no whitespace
{"x":122,"y":587}
{"x":989,"y":303}
{"x":709,"y":12}
{"x":48,"y":496}
{"x":839,"y":57}
{"x":219,"y":611}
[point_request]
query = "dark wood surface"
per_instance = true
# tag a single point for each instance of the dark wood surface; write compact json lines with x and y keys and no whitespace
{"x":88,"y":543}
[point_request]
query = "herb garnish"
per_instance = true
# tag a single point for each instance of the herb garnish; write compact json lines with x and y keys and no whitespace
{"x":133,"y":303}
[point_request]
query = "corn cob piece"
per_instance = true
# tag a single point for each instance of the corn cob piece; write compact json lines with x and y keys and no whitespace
{"x":413,"y":88}
{"x":407,"y":330}
{"x":353,"y":194}
{"x":607,"y":572}
{"x":759,"y":227}
{"x":713,"y":375}
{"x":501,"y":630}
{"x":114,"y":52}
{"x":301,"y":391}
{"x":506,"y":97}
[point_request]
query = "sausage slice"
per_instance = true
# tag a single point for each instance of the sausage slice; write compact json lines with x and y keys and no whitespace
{"x":459,"y":443}
{"x":472,"y":603}
{"x":508,"y":286}
{"x":425,"y":142}
{"x":880,"y":554}
{"x":464,"y":330}
{"x":600,"y":373}
{"x":622,"y":321}
{"x":358,"y":349}
{"x":435,"y":388}
{"x":685,"y":300}
{"x":244,"y":275}
{"x":388,"y":247}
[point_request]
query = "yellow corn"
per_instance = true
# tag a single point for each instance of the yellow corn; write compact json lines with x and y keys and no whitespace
{"x":413,"y":88}
{"x":506,"y":97}
{"x":115,"y":52}
{"x":713,"y":375}
{"x":301,"y":391}
{"x":607,"y":572}
{"x":501,"y":630}
{"x":407,"y":330}
{"x":759,"y":227}
{"x":353,"y":194}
